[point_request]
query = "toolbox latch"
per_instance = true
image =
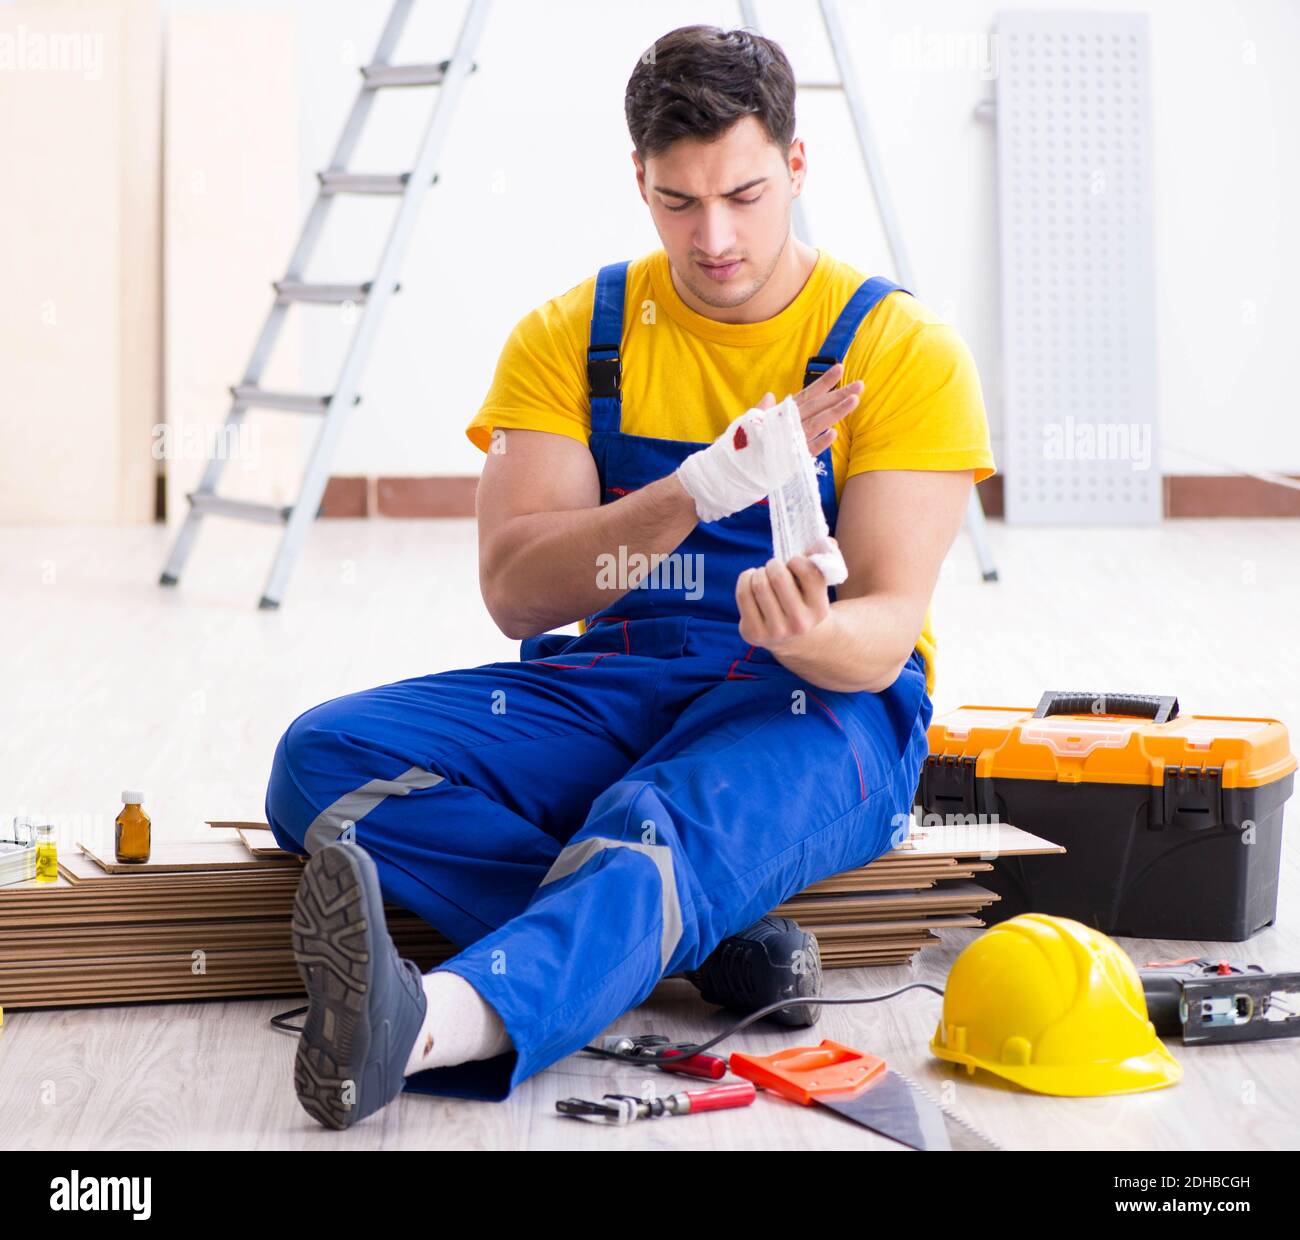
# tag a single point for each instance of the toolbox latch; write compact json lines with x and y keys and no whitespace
{"x":948,"y":785}
{"x":1192,"y":796}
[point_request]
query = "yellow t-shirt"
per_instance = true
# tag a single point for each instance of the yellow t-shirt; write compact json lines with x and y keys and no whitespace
{"x":686,"y":376}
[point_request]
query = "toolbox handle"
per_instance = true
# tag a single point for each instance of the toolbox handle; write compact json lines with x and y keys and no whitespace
{"x":1153,"y":706}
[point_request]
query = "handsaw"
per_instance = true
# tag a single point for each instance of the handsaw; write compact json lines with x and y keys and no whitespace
{"x":863,"y":1088}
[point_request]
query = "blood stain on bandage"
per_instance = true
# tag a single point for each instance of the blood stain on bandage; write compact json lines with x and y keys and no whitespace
{"x":739,"y":439}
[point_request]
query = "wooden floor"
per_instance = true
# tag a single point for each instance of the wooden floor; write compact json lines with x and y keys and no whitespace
{"x":112,"y":682}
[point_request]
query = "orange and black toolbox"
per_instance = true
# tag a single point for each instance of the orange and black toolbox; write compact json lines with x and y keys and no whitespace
{"x":1172,"y":824}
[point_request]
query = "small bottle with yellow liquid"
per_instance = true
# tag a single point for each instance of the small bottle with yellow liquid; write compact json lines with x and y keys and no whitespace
{"x":47,"y":854}
{"x":132,"y":838}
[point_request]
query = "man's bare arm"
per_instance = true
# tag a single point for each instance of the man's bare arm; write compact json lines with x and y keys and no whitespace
{"x":894,"y":528}
{"x":542,"y":527}
{"x":542,"y":530}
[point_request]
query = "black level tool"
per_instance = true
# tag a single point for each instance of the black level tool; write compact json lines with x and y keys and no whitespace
{"x":1205,"y":1001}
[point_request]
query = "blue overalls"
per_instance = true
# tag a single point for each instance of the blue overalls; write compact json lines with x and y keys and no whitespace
{"x":606,"y":810}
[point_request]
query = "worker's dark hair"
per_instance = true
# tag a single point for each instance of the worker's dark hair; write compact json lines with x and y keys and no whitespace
{"x":698,"y":81}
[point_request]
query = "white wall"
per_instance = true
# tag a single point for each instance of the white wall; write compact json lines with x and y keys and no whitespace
{"x":537,"y":192}
{"x":79,"y":260}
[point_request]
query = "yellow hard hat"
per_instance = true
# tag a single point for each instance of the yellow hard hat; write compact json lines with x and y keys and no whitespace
{"x":1055,"y":1007}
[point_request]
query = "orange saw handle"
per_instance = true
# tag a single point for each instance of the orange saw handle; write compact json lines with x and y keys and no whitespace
{"x":805,"y":1073}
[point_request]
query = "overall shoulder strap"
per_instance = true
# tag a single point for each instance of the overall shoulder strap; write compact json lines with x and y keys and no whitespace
{"x":604,"y":370}
{"x":837,"y":342}
{"x":833,"y":349}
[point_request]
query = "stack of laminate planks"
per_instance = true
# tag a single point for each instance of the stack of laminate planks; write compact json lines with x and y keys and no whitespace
{"x":198,"y":920}
{"x":887,"y":911}
{"x":212,"y":918}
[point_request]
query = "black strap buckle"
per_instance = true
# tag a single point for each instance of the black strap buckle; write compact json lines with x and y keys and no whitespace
{"x":604,"y":374}
{"x":820,"y":360}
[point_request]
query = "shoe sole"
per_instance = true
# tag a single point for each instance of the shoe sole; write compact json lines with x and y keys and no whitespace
{"x":797,"y":1017}
{"x":333,"y":945}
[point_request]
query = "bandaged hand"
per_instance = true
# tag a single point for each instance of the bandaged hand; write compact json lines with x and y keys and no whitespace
{"x":747,"y":462}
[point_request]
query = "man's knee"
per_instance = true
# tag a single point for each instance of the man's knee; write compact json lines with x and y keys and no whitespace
{"x":300,"y":751}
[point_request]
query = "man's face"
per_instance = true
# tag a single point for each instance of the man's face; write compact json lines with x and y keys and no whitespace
{"x":722,"y":209}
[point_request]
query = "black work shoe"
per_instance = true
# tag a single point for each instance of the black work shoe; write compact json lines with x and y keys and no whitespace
{"x":770,"y":961}
{"x":365,"y":1002}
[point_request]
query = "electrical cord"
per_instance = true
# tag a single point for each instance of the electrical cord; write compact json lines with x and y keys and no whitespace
{"x":1233,"y":469}
{"x":278,"y":1022}
{"x":679,"y":1050}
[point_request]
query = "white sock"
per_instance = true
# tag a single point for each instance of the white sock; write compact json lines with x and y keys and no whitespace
{"x":459,"y":1025}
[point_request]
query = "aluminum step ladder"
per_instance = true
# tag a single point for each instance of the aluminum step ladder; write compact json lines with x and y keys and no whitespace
{"x":848,"y":86}
{"x":371,"y":297}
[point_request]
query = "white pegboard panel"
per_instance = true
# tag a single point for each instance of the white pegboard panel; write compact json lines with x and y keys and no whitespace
{"x":1078,"y":280}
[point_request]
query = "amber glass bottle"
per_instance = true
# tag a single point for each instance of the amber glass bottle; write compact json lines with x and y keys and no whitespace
{"x":132,"y":835}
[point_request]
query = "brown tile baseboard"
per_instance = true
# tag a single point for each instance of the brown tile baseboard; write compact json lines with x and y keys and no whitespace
{"x":399,"y":497}
{"x":1228,"y":495}
{"x":1186,"y":495}
{"x":990,"y":491}
{"x":1194,"y":495}
{"x":345,"y":497}
{"x":425,"y":497}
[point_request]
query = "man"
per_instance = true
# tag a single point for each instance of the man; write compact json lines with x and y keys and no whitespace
{"x":722,"y":732}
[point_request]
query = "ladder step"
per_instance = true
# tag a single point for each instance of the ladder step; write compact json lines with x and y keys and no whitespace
{"x":298,"y":290}
{"x":363,"y":182}
{"x":207,"y":504}
{"x":290,"y":402}
{"x":408,"y":188}
{"x":404,"y":75}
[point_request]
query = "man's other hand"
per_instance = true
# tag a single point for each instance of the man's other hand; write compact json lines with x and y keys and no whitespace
{"x":822,"y":404}
{"x":781,"y":603}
